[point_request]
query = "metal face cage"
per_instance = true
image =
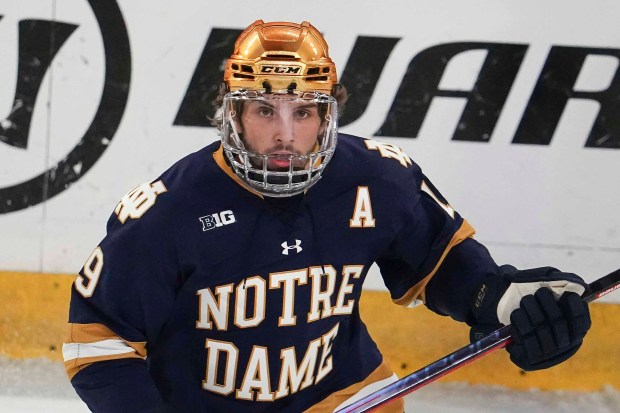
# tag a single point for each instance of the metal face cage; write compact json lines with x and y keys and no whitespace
{"x":279,"y":143}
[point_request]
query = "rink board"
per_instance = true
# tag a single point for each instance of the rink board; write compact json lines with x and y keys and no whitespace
{"x":508,"y":106}
{"x":33,"y":314}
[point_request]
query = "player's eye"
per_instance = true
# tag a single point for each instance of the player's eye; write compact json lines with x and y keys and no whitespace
{"x":302,"y":113}
{"x":264,"y":111}
{"x":306,"y":113}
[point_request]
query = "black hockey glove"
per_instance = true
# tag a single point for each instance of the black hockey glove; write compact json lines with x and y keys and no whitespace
{"x":549,"y":319}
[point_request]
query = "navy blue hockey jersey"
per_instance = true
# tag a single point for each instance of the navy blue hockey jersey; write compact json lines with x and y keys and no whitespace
{"x":242,"y":303}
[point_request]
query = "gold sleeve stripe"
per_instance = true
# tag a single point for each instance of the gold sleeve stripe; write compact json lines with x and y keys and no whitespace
{"x":334,"y":400}
{"x":89,"y":343}
{"x":88,"y":333}
{"x":221,"y":162}
{"x":418,"y":291}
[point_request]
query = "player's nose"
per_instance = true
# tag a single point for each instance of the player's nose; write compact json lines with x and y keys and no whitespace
{"x":284,"y":130}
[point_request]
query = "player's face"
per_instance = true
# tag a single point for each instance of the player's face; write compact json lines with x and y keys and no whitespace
{"x":280,"y":127}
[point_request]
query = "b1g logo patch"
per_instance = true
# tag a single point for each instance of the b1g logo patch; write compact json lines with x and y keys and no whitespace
{"x":217,"y":220}
{"x":64,"y":83}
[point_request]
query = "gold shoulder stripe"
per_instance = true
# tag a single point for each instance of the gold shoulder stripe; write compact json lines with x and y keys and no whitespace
{"x":331,"y":402}
{"x":418,"y":290}
{"x":221,"y":162}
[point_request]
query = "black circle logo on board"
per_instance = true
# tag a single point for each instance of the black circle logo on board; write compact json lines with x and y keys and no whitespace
{"x":39,"y":41}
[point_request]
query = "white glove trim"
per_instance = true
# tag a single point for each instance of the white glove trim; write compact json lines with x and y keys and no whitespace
{"x":511,"y":300}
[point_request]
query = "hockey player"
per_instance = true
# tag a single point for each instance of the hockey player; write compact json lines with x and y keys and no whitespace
{"x":231,"y":283}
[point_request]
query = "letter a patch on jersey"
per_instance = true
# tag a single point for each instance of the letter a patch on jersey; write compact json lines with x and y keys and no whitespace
{"x":362,"y":213}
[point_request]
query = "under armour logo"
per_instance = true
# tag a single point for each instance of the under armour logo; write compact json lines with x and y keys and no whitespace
{"x":286,"y":248}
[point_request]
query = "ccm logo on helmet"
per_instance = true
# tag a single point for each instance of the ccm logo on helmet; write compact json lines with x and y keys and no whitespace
{"x":282,"y":70}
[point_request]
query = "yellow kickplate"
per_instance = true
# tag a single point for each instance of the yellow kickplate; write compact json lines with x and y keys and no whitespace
{"x":34,"y":309}
{"x":411,"y":338}
{"x":33,"y":314}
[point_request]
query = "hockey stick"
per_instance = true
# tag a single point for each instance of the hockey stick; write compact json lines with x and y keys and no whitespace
{"x":497,"y":339}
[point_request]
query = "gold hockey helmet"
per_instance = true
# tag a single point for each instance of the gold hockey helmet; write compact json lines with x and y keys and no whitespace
{"x":281,"y":56}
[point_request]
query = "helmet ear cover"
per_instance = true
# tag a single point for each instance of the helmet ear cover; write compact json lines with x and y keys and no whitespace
{"x":281,"y":56}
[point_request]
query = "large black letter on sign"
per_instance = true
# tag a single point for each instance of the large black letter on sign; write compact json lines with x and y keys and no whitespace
{"x":362,"y":72}
{"x":197,"y":105}
{"x":96,"y":139}
{"x":36,"y":53}
{"x":556,"y":85}
{"x":484,"y":103}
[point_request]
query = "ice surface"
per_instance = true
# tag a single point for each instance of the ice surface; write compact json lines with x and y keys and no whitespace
{"x":36,"y":386}
{"x":41,"y":386}
{"x":24,"y":404}
{"x":463,"y":398}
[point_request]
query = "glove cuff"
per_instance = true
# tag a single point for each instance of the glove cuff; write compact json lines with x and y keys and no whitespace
{"x":484,"y":302}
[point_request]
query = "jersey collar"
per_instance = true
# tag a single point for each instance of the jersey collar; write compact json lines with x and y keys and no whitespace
{"x":220,"y":160}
